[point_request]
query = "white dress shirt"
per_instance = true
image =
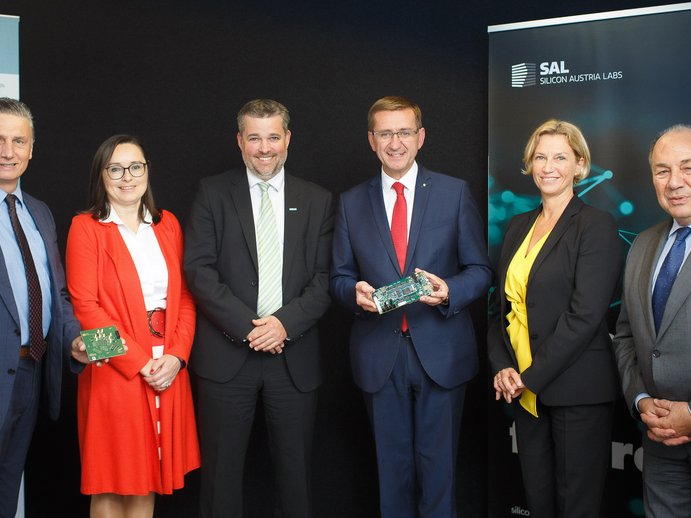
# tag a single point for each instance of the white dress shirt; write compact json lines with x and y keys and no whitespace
{"x":408,"y":180}
{"x":148,"y":259}
{"x":276,"y":195}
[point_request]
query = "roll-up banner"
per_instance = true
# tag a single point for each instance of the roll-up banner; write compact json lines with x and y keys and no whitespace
{"x":622,"y":77}
{"x":9,"y":56}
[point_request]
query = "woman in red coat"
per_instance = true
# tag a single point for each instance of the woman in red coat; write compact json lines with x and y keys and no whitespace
{"x":137,"y":432}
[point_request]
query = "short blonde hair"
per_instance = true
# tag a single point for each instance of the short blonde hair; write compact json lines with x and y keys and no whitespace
{"x":574,"y":137}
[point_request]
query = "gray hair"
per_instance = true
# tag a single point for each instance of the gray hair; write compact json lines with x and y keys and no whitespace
{"x":671,"y":129}
{"x":17,"y":108}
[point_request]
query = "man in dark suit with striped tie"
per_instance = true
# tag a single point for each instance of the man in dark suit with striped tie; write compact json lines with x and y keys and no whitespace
{"x":257,"y":253}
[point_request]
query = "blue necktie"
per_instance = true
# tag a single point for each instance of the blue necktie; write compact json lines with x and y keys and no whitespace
{"x":668,"y":273}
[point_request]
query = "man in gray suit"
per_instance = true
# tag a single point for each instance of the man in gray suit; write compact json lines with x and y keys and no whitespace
{"x":37,"y":327}
{"x":653,"y":340}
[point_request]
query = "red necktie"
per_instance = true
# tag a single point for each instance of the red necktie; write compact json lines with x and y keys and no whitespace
{"x":399,"y":232}
{"x":37,"y":345}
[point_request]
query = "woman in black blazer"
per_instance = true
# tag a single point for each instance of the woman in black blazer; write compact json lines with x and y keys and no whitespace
{"x":549,"y":345}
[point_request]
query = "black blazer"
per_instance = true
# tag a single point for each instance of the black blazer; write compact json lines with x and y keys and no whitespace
{"x":570,"y":287}
{"x":221,"y":268}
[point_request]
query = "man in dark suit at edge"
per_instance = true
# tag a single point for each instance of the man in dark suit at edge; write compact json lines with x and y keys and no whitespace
{"x":37,"y":325}
{"x":412,"y":365}
{"x":257,"y":256}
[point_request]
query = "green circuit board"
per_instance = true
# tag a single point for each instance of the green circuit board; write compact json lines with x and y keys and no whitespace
{"x":103,"y":342}
{"x":406,"y":291}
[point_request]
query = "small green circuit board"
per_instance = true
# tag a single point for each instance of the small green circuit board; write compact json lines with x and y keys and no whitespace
{"x":400,"y":293}
{"x":102,"y":343}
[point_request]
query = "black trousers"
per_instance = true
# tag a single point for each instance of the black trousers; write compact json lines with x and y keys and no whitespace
{"x":225,"y":417}
{"x":564,"y":455}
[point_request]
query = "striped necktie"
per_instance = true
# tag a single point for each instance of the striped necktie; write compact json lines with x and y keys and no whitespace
{"x":270,"y":296}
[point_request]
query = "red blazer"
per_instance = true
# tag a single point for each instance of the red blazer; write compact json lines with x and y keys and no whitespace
{"x":116,"y":408}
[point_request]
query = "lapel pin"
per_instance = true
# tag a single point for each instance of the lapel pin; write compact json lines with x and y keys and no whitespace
{"x":292,"y":209}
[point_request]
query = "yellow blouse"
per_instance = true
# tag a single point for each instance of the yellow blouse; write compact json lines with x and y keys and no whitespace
{"x":515,"y":287}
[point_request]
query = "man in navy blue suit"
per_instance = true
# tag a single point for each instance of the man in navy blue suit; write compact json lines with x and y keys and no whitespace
{"x":412,"y":364}
{"x":33,"y":341}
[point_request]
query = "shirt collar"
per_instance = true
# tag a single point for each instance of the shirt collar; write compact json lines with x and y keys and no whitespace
{"x":276,"y":182}
{"x":408,"y":180}
{"x":17,"y":192}
{"x":675,"y":227}
{"x":113,"y":217}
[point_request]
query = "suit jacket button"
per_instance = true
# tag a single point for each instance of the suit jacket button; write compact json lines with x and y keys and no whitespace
{"x":534,"y":336}
{"x":17,"y":332}
{"x":253,"y":283}
{"x":10,"y":371}
{"x":656,"y":353}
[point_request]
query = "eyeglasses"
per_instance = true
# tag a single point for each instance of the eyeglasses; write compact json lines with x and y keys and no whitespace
{"x":387,"y":135}
{"x":136,"y":169}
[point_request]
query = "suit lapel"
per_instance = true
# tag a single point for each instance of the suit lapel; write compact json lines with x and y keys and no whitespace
{"x":294,"y":220}
{"x":650,"y":254}
{"x":6,"y":293}
{"x":681,"y":289}
{"x":381,"y":221}
{"x":240,"y":193}
{"x":126,"y":271}
{"x":555,"y":235}
{"x":170,"y":256}
{"x":423,"y":187}
{"x":47,"y":232}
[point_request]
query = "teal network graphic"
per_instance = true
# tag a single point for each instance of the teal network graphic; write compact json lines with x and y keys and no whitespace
{"x":504,"y":204}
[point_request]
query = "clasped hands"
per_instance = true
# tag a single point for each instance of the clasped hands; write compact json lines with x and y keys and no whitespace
{"x":440,"y":293}
{"x":668,"y":422}
{"x":268,"y":335}
{"x":159,"y":373}
{"x":508,"y":384}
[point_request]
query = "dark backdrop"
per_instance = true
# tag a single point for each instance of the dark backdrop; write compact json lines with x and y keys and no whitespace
{"x":175,"y":73}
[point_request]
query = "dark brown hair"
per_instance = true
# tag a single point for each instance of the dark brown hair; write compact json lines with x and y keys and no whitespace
{"x":99,"y":208}
{"x":262,"y":109}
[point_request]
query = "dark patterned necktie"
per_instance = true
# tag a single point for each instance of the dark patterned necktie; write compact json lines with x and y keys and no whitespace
{"x":37,"y":345}
{"x":668,"y":274}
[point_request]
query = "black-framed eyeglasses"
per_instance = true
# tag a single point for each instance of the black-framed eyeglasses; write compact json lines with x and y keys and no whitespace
{"x":387,"y":135}
{"x":136,"y":169}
